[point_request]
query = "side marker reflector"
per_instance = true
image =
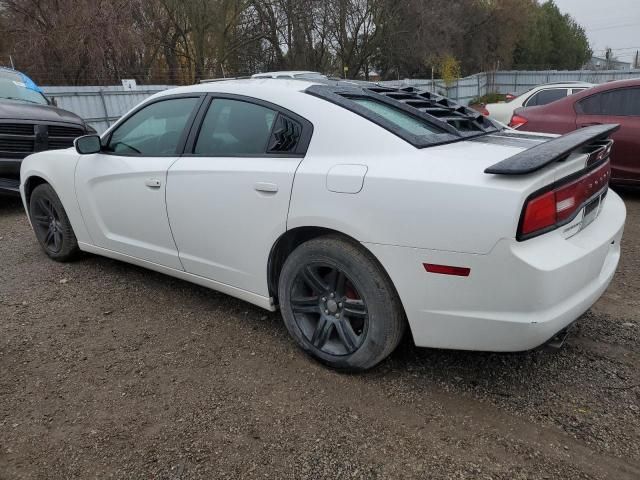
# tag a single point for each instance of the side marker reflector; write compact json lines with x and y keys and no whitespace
{"x":447,"y":270}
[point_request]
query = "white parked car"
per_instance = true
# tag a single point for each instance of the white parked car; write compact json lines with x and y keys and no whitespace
{"x":357,"y":211}
{"x":540,"y":95}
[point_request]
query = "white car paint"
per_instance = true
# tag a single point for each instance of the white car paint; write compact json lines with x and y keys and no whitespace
{"x":503,"y":112}
{"x":213,"y":221}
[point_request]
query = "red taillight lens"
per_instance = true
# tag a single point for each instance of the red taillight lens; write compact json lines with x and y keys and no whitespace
{"x":540,"y":213}
{"x":552,"y":209}
{"x":483,"y":110}
{"x":517,"y":121}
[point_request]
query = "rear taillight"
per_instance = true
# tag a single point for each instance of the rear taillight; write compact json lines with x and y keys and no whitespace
{"x":551,"y":208}
{"x":517,"y":121}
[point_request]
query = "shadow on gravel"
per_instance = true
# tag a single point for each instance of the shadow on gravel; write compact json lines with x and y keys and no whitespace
{"x":10,"y":204}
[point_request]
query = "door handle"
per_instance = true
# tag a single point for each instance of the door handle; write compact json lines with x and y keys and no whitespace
{"x":153,"y":183}
{"x":266,"y":187}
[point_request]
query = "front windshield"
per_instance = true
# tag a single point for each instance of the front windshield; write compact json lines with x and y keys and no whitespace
{"x":12,"y":87}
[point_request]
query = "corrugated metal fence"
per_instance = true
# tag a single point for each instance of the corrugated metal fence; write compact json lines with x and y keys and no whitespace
{"x":101,"y":106}
{"x":516,"y":81}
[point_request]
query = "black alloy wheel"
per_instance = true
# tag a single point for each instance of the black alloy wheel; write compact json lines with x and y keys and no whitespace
{"x":51,"y":224}
{"x":329,"y":310}
{"x":47,"y":224}
{"x":339,"y":304}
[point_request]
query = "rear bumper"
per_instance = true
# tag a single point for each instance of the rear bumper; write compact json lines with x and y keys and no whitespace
{"x":518,"y":296}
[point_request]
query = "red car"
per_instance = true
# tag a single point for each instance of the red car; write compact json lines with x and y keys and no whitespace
{"x":613,"y":102}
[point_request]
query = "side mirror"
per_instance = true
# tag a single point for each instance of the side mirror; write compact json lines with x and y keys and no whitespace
{"x":87,"y":144}
{"x":53,"y":101}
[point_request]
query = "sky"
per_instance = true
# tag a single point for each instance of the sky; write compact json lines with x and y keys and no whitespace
{"x":608,"y":23}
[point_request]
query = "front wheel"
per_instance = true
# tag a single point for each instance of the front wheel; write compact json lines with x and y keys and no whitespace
{"x":339,"y":304}
{"x":51,"y":224}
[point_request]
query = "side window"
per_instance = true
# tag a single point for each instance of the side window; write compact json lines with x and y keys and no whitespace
{"x":577,"y":90}
{"x":591,"y":105}
{"x":547,"y":96}
{"x":155,"y":130}
{"x":235,"y":128}
{"x":622,"y":102}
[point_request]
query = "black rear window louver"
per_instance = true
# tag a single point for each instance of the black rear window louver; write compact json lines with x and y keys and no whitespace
{"x":458,"y":116}
{"x":455,"y":121}
{"x":285,"y":136}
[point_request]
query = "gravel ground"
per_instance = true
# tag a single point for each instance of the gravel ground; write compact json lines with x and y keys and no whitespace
{"x":111,"y":371}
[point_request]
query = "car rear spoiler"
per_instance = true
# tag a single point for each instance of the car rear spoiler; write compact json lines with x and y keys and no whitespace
{"x":552,"y":151}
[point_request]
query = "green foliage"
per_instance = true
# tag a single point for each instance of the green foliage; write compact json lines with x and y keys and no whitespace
{"x":449,"y":69}
{"x":489,"y":98}
{"x":552,"y":41}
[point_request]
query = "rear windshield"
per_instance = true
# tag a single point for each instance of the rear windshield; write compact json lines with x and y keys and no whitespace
{"x":418,"y":116}
{"x":410,"y":123}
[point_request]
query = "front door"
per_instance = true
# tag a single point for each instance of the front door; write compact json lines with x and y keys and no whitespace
{"x":228,"y":198}
{"x":122,"y":190}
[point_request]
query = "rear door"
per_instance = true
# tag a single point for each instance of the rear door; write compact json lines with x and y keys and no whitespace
{"x":228,"y":197}
{"x":621,"y":106}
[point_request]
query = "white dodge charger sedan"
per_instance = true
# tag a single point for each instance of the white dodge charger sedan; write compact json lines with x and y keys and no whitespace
{"x":358,"y":211}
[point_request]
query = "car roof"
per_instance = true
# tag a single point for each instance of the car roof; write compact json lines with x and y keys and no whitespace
{"x":634,"y":82}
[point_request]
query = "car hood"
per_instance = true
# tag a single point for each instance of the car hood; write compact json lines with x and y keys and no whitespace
{"x":15,"y":110}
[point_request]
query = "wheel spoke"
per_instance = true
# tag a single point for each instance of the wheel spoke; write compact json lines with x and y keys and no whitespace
{"x":306,"y":305}
{"x":355,"y":308}
{"x":337,"y":281}
{"x":41,"y":220}
{"x":44,"y":207}
{"x":57,"y":240}
{"x":314,"y":281}
{"x":347,"y":335}
{"x":322,"y":332}
{"x":49,"y":238}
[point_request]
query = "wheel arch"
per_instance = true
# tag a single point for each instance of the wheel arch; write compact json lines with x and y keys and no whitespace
{"x":30,"y":185}
{"x":295,"y":237}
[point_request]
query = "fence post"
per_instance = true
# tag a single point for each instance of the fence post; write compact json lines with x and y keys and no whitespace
{"x":104,"y":107}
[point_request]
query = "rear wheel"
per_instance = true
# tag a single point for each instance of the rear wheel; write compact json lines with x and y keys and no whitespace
{"x":51,"y":224}
{"x":339,"y":305}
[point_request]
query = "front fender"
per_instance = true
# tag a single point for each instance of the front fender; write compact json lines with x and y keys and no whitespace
{"x":57,"y":168}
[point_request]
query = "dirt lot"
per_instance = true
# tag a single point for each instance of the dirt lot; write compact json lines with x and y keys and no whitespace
{"x":111,"y":371}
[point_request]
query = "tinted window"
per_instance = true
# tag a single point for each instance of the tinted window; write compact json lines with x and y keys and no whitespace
{"x":234,"y":127}
{"x":154,"y":130}
{"x":406,"y":121}
{"x":547,"y":96}
{"x":591,"y":105}
{"x":623,"y":102}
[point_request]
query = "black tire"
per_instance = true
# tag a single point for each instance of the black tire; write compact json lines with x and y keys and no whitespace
{"x":51,"y":224}
{"x":361,"y":324}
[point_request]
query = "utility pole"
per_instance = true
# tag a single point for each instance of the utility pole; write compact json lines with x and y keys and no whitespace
{"x":637,"y":62}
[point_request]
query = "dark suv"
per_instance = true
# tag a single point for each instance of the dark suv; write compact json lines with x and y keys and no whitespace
{"x":30,"y":123}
